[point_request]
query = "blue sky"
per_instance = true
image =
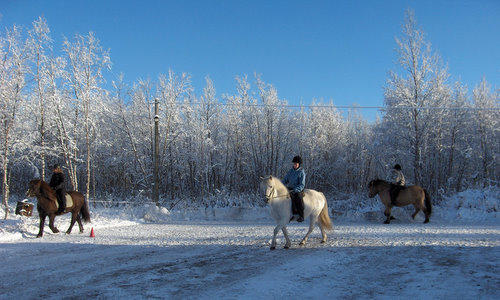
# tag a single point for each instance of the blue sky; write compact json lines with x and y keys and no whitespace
{"x":330,"y":50}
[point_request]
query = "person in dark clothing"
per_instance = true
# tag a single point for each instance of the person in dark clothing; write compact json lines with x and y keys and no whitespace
{"x":295,"y":181}
{"x":57,"y":183}
{"x":397,"y":184}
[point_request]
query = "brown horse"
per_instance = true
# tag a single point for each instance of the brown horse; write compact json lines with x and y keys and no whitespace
{"x":47,"y":206}
{"x":409,"y":195}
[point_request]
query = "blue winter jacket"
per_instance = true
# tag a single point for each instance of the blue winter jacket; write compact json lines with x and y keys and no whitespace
{"x":295,"y":180}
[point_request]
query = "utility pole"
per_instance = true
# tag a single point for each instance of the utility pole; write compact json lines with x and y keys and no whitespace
{"x":156,"y":160}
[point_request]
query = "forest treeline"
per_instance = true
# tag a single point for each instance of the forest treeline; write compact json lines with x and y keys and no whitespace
{"x":57,"y":109}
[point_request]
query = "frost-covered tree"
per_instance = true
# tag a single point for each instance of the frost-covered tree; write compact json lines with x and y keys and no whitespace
{"x":458,"y":122}
{"x":410,"y":97}
{"x":487,"y":116}
{"x":173,"y":92}
{"x":13,"y":68}
{"x":272,"y":129}
{"x":322,"y":139}
{"x":237,"y":153}
{"x":138,"y":125}
{"x":40,"y":44}
{"x":209,"y":116}
{"x":359,"y":161}
{"x":86,"y":61}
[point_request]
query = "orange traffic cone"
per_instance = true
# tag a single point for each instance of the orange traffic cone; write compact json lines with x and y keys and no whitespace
{"x":92,"y":232}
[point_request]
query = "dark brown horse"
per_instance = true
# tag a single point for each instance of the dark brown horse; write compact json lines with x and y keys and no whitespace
{"x":47,"y":206}
{"x":409,"y":195}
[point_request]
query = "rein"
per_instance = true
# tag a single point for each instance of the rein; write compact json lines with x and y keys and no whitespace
{"x":271,"y":197}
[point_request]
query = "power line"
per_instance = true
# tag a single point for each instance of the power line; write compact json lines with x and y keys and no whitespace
{"x":383,"y":108}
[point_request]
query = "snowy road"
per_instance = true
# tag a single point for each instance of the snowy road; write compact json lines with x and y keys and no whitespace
{"x":229,"y":259}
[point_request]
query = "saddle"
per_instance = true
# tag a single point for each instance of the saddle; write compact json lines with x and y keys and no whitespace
{"x":397,"y":187}
{"x":394,"y":192}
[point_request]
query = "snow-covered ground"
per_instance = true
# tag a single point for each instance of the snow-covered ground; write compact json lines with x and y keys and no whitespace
{"x":223,"y":253}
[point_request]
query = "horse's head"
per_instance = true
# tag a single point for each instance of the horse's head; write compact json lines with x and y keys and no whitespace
{"x":376,"y":186}
{"x":271,"y":187}
{"x":267,"y":188}
{"x":34,"y":188}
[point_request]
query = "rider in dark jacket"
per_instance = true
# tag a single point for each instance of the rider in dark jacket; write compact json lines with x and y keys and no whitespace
{"x":295,"y":181}
{"x":57,"y":183}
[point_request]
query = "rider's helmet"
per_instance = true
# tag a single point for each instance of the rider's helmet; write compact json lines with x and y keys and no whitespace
{"x":297,"y":159}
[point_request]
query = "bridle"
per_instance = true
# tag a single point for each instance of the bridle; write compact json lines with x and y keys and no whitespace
{"x":270,"y":196}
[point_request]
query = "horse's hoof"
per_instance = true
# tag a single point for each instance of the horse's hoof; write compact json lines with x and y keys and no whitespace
{"x":323,"y":241}
{"x":273,"y":248}
{"x":392,"y":218}
{"x":286,"y":247}
{"x":387,"y":222}
{"x":39,"y":235}
{"x":426,"y":221}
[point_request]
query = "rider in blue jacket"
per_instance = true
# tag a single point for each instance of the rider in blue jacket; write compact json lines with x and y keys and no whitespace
{"x":295,"y":181}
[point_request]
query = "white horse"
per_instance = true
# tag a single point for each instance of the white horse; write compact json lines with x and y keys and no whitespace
{"x":278,"y":197}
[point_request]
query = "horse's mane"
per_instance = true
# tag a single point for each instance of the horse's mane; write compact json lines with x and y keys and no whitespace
{"x":378,"y":181}
{"x":46,"y":190}
{"x":278,"y":182}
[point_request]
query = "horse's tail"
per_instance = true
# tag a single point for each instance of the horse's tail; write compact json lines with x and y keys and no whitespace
{"x":427,"y":201}
{"x":85,"y":213}
{"x":324,"y":218}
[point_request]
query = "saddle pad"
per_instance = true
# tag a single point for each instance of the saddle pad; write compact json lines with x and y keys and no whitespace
{"x":69,"y":201}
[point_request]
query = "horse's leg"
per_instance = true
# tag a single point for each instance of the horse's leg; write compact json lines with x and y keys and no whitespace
{"x":285,"y":233}
{"x":417,"y":209}
{"x":79,"y":220}
{"x":54,"y":229}
{"x":311,"y":228}
{"x":387,"y":213}
{"x":427,"y":215}
{"x":323,"y":233}
{"x":42,"y":223}
{"x":276,"y":230}
{"x":73,"y":219}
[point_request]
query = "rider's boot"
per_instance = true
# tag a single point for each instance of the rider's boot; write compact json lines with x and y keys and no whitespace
{"x":62,"y":206}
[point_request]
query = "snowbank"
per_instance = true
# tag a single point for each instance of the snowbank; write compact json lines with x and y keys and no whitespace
{"x":473,"y":205}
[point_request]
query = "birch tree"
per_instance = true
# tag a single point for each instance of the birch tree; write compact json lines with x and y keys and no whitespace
{"x":13,"y":69}
{"x":487,"y":120}
{"x":209,"y":117}
{"x":86,"y":60}
{"x":40,"y":43}
{"x":322,"y":141}
{"x":459,"y":135}
{"x":136,"y":119}
{"x":236,"y":151}
{"x":410,"y":95}
{"x":173,"y":92}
